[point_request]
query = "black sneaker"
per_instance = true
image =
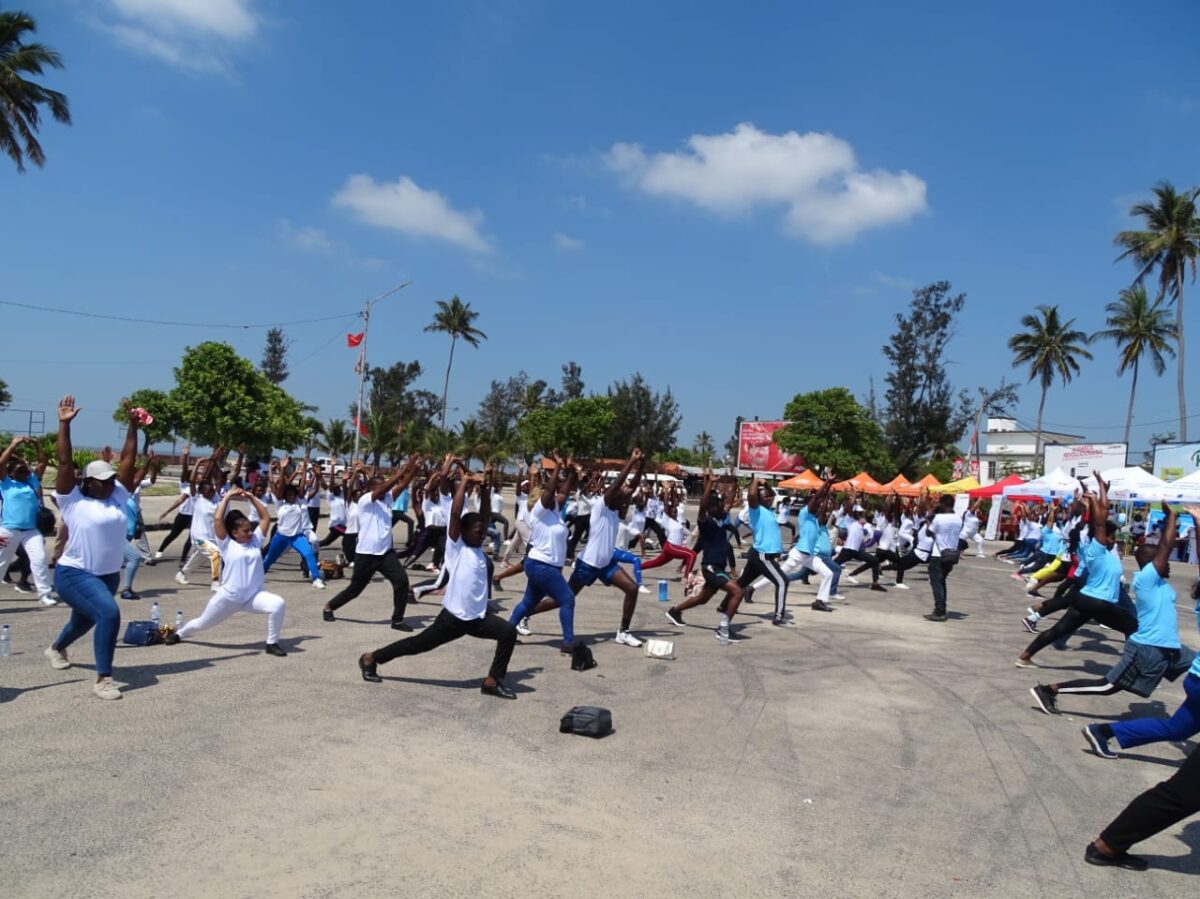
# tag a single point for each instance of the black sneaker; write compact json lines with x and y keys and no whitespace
{"x":274,"y":649}
{"x":1098,"y":743}
{"x":879,"y":588}
{"x":401,"y":626}
{"x":675,"y":618}
{"x":785,"y":622}
{"x":497,"y":689}
{"x":821,"y":606}
{"x":327,"y":615}
{"x":936,"y":616}
{"x":129,"y":594}
{"x":1045,"y":699}
{"x":747,"y":595}
{"x":1094,"y":856}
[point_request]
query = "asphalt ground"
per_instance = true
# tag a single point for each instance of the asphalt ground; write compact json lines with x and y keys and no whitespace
{"x":866,"y":752}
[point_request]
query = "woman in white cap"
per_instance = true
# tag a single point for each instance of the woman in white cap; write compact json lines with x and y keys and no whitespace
{"x":86,"y":576}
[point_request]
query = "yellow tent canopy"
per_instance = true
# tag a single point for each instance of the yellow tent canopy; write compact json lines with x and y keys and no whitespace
{"x":960,"y":486}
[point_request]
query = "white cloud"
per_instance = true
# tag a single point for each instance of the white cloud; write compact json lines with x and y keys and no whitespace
{"x":403,"y":206}
{"x":828,"y":198}
{"x":195,"y":35}
{"x":565,"y":242}
{"x":306,"y":238}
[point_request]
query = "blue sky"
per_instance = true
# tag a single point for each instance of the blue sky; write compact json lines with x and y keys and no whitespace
{"x":732,"y":199}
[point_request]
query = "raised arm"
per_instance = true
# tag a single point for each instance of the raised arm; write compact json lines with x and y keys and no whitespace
{"x":237,"y":468}
{"x":1166,"y":544}
{"x":219,"y":515}
{"x":752,"y":493}
{"x":454,"y":525}
{"x":9,"y":450}
{"x":64,"y":481}
{"x":185,"y":474}
{"x":612,"y":496}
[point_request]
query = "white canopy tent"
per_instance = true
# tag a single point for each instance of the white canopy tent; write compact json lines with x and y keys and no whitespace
{"x":1055,"y":485}
{"x":1131,"y":484}
{"x":1184,"y":490}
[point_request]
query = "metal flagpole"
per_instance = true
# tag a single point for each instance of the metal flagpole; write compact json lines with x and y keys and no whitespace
{"x":362,"y":362}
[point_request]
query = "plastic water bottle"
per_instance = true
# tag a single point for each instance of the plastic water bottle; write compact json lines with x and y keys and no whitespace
{"x":5,"y":643}
{"x":179,"y":619}
{"x":155,"y":616}
{"x":662,"y":590}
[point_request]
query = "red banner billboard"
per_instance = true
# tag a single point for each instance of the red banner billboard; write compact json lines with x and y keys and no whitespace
{"x":757,"y":450}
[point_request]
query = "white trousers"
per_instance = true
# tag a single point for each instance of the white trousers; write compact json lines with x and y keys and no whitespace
{"x":222,"y":605}
{"x":35,"y":548}
{"x":979,"y":543}
{"x":210,"y":552}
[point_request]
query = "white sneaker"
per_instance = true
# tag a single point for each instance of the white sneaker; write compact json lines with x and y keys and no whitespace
{"x":838,"y":596}
{"x":181,"y":578}
{"x":627,"y":639}
{"x":980,"y":556}
{"x":48,"y":600}
{"x":902,"y":586}
{"x":642,"y":589}
{"x":58,"y":660}
{"x":523,"y":627}
{"x":106,"y":689}
{"x":215,"y":585}
{"x":20,"y":588}
{"x":158,"y":555}
{"x":318,"y":584}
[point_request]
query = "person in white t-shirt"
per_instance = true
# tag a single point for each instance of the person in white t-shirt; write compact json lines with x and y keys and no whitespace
{"x":87,"y":574}
{"x":465,"y":606}
{"x":598,"y":561}
{"x":240,"y":543}
{"x":852,"y":549}
{"x":945,"y":529}
{"x":519,"y":541}
{"x":336,"y":498}
{"x":182,"y":522}
{"x":548,"y":553}
{"x":204,"y":536}
{"x":373,"y":552}
{"x":292,"y":526}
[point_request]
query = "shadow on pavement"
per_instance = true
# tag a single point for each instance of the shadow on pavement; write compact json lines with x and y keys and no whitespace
{"x":514,"y":680}
{"x":8,"y":694}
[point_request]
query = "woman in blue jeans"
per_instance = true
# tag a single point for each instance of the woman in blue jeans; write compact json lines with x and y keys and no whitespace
{"x":87,"y":573}
{"x":547,"y":554}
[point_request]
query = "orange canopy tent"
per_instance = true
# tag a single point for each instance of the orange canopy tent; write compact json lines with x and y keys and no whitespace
{"x":861,"y":482}
{"x":806,"y":480}
{"x":915,"y":489}
{"x":898,"y":484}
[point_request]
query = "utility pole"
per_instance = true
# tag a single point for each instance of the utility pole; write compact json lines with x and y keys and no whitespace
{"x":362,"y":362}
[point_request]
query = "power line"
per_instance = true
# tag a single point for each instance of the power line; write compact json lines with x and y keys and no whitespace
{"x":151,"y":321}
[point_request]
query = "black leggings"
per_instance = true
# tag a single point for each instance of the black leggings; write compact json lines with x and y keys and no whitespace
{"x":365,"y":567}
{"x":868,"y":561}
{"x":335,"y":531}
{"x":349,"y":545}
{"x":314,"y":515}
{"x":181,"y":525}
{"x":766,"y":565}
{"x":909,"y":560}
{"x":580,"y":525}
{"x":397,"y":517}
{"x":432,"y":536}
{"x":447,"y":627}
{"x":1158,"y":808}
{"x":656,"y":529}
{"x":1082,"y":610}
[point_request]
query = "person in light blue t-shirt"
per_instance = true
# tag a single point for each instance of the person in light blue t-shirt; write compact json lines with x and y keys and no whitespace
{"x":763,"y":560}
{"x":21,"y":490}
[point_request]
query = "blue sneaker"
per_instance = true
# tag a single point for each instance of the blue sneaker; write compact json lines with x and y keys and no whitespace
{"x":1098,"y":743}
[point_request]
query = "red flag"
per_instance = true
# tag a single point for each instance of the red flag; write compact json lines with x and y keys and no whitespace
{"x":353,"y":340}
{"x":361,"y":427}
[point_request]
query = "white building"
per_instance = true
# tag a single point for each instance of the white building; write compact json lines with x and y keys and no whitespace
{"x":1006,"y":449}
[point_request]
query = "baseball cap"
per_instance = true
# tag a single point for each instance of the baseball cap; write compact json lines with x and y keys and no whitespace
{"x":100,"y":471}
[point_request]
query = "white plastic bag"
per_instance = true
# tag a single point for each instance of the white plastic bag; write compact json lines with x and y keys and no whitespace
{"x":660,"y":649}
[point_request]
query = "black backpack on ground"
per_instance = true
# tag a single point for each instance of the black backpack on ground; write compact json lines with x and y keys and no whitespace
{"x":581,"y":658}
{"x":587,"y":720}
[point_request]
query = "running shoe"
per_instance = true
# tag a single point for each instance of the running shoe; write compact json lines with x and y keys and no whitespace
{"x":900,"y":585}
{"x":106,"y":689}
{"x":181,"y":578}
{"x":48,"y":601}
{"x":1025,"y":663}
{"x":837,"y":597}
{"x":318,"y":584}
{"x":158,"y":555}
{"x":22,"y":588}
{"x":725,"y":636}
{"x":523,"y":627}
{"x":627,"y":639}
{"x":1098,"y":743}
{"x":676,"y":618}
{"x":58,"y":659}
{"x":1045,"y":699}
{"x":642,"y":588}
{"x":1030,"y":624}
{"x":787,"y":622}
{"x":849,"y":579}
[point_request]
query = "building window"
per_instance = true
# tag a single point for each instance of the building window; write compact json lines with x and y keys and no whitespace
{"x":992,"y":472}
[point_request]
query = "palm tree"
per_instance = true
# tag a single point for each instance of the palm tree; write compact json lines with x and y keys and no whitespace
{"x":380,"y":437}
{"x":1170,"y":243}
{"x":19,"y":98}
{"x":454,"y":318}
{"x":1050,"y":346}
{"x":471,"y":441}
{"x":335,"y":438}
{"x":1138,"y":326}
{"x":703,"y":448}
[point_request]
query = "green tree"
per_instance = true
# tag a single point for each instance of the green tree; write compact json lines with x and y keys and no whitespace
{"x":504,"y":402}
{"x":20,"y":98}
{"x":274,"y":361}
{"x":5,"y":396}
{"x":641,"y":418}
{"x":336,"y":438}
{"x":921,"y":413}
{"x":703,"y":448}
{"x":158,"y":403}
{"x":572,"y":381}
{"x":390,"y":392}
{"x":830,"y":429}
{"x":1139,"y":327}
{"x":454,"y":318}
{"x":222,"y":398}
{"x":471,"y":440}
{"x":1051,"y":347}
{"x":380,"y":438}
{"x":681,"y":455}
{"x":580,"y":426}
{"x":1169,"y":242}
{"x":731,"y":445}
